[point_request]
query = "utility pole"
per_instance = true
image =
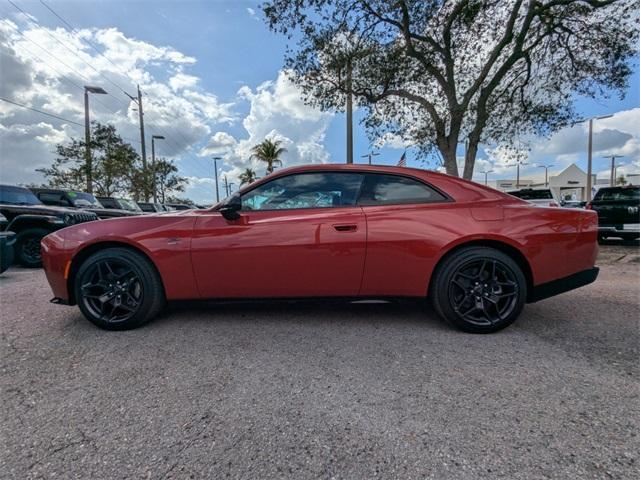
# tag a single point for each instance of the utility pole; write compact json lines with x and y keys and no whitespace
{"x":87,"y":134}
{"x":369,"y":155}
{"x":546,"y":173}
{"x":517,"y":165}
{"x":349,"y":114}
{"x":143,"y":146}
{"x":613,"y":169}
{"x":153,"y":166}
{"x":215,"y":168}
{"x":226,"y":185}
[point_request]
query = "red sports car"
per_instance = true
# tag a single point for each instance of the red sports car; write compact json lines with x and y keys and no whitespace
{"x":349,"y":231}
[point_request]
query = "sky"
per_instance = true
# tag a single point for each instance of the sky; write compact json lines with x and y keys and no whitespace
{"x":213,"y":84}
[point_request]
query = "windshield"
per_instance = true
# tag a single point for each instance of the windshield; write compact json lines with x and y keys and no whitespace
{"x":81,"y":199}
{"x":609,"y":194}
{"x":532,"y":194}
{"x":128,"y":205}
{"x":18,"y":196}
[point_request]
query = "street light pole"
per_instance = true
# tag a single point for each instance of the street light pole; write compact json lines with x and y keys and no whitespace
{"x":369,"y":155}
{"x":215,"y":168}
{"x":546,"y":173}
{"x":590,"y":152}
{"x":613,"y":158}
{"x":486,"y":173}
{"x":153,"y":165}
{"x":517,"y":165}
{"x":87,"y":135}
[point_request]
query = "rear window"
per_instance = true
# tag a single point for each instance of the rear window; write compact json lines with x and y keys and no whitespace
{"x":612,"y":194}
{"x":532,"y":194}
{"x":383,"y":189}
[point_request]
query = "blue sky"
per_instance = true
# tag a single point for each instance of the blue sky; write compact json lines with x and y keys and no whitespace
{"x":231,"y":50}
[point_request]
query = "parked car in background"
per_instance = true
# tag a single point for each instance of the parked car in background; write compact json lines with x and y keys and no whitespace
{"x":180,"y":206}
{"x":31,"y":220}
{"x":573,"y":204}
{"x":149,"y":207}
{"x":75,"y":199}
{"x":346,"y":231}
{"x":120,"y":204}
{"x":542,"y":197}
{"x":7,"y":238}
{"x":618,"y":211}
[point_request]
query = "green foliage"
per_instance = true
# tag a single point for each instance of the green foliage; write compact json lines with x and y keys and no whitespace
{"x":248,"y":176}
{"x":435,"y":73}
{"x":268,"y":151}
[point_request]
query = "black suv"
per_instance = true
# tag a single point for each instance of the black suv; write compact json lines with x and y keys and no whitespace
{"x":618,"y":212}
{"x":31,"y":220}
{"x":121,"y":204}
{"x":73,"y":199}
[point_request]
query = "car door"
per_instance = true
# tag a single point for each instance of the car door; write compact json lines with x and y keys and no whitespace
{"x":298,"y":235}
{"x":408,"y":222}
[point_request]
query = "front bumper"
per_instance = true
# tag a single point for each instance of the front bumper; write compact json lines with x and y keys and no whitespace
{"x":561,"y":285}
{"x":617,"y":230}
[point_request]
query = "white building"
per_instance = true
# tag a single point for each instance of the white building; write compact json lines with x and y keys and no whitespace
{"x":571,"y":184}
{"x":507,"y":184}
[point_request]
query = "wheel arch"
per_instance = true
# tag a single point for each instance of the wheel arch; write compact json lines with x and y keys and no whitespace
{"x":502,"y":246}
{"x":23,"y":222}
{"x":84,"y":253}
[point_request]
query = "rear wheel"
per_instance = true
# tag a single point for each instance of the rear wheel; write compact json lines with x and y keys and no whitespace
{"x":27,"y":247}
{"x":118,"y":289}
{"x":479,"y":290}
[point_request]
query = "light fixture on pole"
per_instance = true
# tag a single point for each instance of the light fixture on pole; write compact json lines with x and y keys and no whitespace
{"x":590,"y":152}
{"x":517,"y":165}
{"x":153,"y":165}
{"x":215,"y":168}
{"x":87,"y":134}
{"x":486,"y":173}
{"x":369,"y":155}
{"x":546,"y":173}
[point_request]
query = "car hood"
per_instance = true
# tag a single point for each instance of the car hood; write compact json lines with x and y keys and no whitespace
{"x":41,"y":210}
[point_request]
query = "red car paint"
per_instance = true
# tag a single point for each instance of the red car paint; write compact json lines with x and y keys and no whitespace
{"x":340,"y":251}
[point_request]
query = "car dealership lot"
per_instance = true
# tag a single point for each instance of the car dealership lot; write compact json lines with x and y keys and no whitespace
{"x":324,"y":390}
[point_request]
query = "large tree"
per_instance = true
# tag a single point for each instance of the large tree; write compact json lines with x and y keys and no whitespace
{"x":437,"y":73}
{"x":168,"y":182}
{"x":114,"y":163}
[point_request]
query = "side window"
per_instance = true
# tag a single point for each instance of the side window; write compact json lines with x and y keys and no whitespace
{"x":305,"y":190}
{"x":381,"y":189}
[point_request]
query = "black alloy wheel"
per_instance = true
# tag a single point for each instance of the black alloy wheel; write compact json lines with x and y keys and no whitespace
{"x":118,"y":289}
{"x":479,"y":289}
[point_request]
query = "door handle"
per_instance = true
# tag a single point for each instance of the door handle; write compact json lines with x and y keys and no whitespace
{"x":346,"y":228}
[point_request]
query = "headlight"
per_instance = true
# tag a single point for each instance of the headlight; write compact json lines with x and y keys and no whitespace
{"x":56,"y":220}
{"x":69,"y":219}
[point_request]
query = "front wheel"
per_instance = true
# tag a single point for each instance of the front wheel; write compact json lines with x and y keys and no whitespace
{"x":479,"y":290}
{"x":118,"y":289}
{"x":27,"y":247}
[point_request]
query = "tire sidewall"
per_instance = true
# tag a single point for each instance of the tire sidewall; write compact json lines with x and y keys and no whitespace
{"x":149,"y":282}
{"x":24,"y":236}
{"x":443,"y":278}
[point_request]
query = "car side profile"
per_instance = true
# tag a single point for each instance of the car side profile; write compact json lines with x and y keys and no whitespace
{"x":347,"y":231}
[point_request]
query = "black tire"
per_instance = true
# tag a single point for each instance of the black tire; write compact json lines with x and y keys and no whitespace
{"x":27,"y":247}
{"x":118,"y":289}
{"x":479,"y":290}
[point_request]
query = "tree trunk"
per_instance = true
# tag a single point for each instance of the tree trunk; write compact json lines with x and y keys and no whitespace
{"x":448,"y":151}
{"x":470,"y":158}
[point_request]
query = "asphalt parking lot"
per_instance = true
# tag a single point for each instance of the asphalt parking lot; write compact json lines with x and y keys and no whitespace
{"x":324,"y":390}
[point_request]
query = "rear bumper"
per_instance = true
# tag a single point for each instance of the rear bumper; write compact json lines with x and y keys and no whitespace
{"x":561,"y":285}
{"x":613,"y":229}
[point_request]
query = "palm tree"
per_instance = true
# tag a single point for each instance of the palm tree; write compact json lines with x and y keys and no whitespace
{"x":248,"y":176}
{"x":268,"y":151}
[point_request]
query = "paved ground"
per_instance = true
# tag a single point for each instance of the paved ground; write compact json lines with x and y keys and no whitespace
{"x":324,"y":391}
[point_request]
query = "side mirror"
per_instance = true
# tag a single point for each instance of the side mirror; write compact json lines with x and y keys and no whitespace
{"x":230,"y":209}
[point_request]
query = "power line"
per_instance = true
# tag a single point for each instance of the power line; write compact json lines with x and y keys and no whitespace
{"x":40,"y":111}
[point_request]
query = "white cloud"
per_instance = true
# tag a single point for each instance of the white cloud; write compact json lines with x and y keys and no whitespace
{"x":277,"y":111}
{"x":220,"y":142}
{"x":46,"y":68}
{"x":252,"y":13}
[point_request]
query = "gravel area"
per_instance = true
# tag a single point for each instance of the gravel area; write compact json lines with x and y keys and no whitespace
{"x":324,"y":390}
